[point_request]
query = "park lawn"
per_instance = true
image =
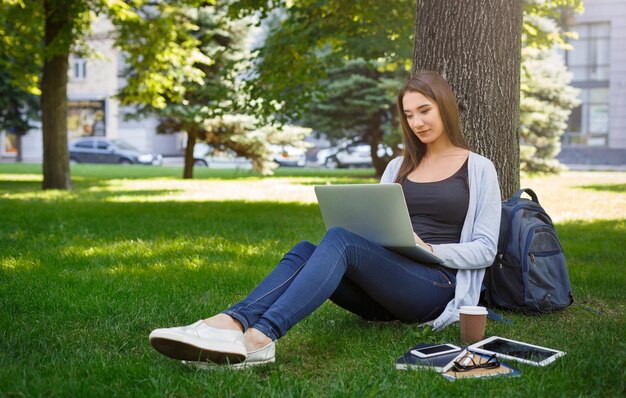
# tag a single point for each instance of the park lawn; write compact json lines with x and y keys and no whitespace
{"x":86,"y":275}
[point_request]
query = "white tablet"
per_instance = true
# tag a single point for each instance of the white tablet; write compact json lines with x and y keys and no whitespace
{"x":516,"y":351}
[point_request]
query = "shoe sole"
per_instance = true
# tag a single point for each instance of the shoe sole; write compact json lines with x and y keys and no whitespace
{"x":242,"y":365}
{"x":187,"y":351}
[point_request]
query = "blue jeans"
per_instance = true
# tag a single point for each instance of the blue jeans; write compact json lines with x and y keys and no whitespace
{"x":356,"y":274}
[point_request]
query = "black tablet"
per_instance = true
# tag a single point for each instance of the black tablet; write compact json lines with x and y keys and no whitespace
{"x":516,"y":351}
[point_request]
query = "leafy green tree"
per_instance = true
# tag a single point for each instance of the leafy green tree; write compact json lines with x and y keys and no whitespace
{"x":18,"y":109}
{"x":37,"y":37}
{"x":250,"y":137}
{"x":327,"y":64}
{"x":546,"y":103}
{"x":546,"y":96}
{"x":316,"y":38}
{"x":219,"y":39}
{"x":308,"y":38}
{"x":541,"y":25}
{"x":358,"y":104}
{"x":214,"y":111}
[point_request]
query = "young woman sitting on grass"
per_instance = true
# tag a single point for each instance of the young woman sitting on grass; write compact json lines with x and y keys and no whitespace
{"x":454,"y":203}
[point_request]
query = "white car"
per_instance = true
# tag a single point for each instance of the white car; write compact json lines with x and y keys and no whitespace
{"x":349,"y":154}
{"x":289,"y":156}
{"x":205,"y":155}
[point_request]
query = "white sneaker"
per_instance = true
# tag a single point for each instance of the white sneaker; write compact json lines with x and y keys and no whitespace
{"x":261,"y":356}
{"x":200,"y":342}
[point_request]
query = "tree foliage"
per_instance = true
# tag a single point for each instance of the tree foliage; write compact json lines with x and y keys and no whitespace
{"x":250,"y":137}
{"x":38,"y":36}
{"x":309,"y":38}
{"x":217,"y":39}
{"x":213,"y":110}
{"x":542,"y":27}
{"x":321,"y":41}
{"x":546,"y":102}
{"x":358,"y":104}
{"x":340,"y":57}
{"x":546,"y":96}
{"x":18,"y":110}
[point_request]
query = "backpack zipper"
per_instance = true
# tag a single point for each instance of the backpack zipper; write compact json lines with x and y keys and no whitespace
{"x":522,"y":206}
{"x":530,"y":234}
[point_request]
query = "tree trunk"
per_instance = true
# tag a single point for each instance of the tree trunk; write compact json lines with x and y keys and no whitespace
{"x":56,"y":169}
{"x":476,"y":46}
{"x":18,"y":147}
{"x":192,"y":135}
{"x":376,"y":136}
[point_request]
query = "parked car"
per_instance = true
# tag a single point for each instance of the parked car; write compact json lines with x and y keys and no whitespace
{"x":289,"y":156}
{"x":349,"y":154}
{"x":205,"y":155}
{"x":104,"y":150}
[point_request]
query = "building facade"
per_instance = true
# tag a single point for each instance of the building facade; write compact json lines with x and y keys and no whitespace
{"x":596,"y":133}
{"x":93,"y":109}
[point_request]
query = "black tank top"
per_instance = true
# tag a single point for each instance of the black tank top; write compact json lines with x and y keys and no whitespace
{"x":438,"y":209}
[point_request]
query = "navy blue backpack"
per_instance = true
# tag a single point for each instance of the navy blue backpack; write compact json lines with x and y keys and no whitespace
{"x":529,"y":274}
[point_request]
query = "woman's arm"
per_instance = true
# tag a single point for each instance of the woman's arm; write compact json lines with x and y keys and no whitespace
{"x":389,"y":175}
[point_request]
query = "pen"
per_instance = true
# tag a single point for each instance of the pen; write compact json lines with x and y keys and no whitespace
{"x":468,"y":359}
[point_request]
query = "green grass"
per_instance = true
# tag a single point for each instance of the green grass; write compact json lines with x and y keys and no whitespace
{"x":84,"y":278}
{"x":619,"y":188}
{"x":95,"y":171}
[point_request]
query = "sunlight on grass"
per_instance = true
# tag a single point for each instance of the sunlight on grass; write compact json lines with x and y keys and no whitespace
{"x":572,"y":195}
{"x":272,"y":189}
{"x":565,"y":197}
{"x":51,"y":195}
{"x":136,"y":256}
{"x":18,"y":264}
{"x":562,"y":195}
{"x":21,"y":177}
{"x":618,"y":188}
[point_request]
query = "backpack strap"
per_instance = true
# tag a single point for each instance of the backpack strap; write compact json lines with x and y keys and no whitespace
{"x":528,"y":191}
{"x":494,"y":316}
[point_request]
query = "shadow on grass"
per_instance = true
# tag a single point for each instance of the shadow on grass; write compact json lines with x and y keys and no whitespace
{"x":107,"y":172}
{"x":616,"y":188}
{"x":81,"y":186}
{"x":84,"y":189}
{"x":594,"y":252}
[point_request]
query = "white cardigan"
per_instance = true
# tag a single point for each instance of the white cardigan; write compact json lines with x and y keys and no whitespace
{"x":479,"y":236}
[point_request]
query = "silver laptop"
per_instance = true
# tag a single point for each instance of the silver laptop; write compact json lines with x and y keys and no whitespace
{"x":377,"y":212}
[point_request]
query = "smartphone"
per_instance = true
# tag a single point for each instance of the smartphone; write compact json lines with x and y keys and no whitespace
{"x":435,"y":350}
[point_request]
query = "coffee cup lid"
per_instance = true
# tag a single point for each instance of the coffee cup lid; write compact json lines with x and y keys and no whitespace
{"x":473,"y":310}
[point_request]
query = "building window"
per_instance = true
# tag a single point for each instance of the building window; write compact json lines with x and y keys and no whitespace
{"x":589,"y":62}
{"x":589,"y":122}
{"x":78,"y":68}
{"x":8,"y":143}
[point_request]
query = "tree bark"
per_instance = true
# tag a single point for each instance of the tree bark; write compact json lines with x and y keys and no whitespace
{"x":56,"y":169}
{"x":476,"y":46}
{"x":18,"y":147}
{"x":376,"y":136}
{"x":192,"y":136}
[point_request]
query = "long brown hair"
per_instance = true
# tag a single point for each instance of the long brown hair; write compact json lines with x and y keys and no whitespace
{"x":433,"y":86}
